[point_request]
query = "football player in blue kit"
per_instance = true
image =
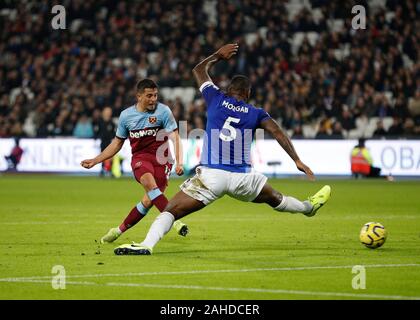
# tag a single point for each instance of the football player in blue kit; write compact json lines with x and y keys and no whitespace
{"x":225,"y":166}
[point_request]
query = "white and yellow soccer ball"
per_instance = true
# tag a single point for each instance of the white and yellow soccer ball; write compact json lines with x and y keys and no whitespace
{"x":373,"y":235}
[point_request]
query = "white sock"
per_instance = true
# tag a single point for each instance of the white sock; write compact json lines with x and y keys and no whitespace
{"x":160,"y":227}
{"x":292,"y":205}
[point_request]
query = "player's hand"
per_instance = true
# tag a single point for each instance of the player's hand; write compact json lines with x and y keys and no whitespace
{"x":304,"y":168}
{"x":227,"y":51}
{"x":88,"y":163}
{"x":179,"y":170}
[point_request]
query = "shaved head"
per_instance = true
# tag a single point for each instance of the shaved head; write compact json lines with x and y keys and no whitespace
{"x":240,"y":86}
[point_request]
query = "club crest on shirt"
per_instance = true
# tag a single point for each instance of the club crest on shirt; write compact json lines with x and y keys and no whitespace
{"x":152,"y":120}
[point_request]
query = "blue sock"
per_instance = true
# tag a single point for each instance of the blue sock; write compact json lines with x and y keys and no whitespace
{"x":142,"y":209}
{"x":153,"y":194}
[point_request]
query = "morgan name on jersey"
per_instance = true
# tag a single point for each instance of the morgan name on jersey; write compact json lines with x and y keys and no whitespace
{"x":231,"y":106}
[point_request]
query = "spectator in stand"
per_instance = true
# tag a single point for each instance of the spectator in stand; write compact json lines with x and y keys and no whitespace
{"x":337,"y":131}
{"x":94,"y":65}
{"x":380,"y":131}
{"x":414,"y":105}
{"x":396,"y":129}
{"x":410,"y":130}
{"x":347,"y":119}
{"x":297,"y":132}
{"x":84,"y":128}
{"x":324,"y":129}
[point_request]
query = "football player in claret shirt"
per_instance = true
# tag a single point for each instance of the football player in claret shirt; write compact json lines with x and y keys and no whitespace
{"x":148,"y":124}
{"x":225,"y":166}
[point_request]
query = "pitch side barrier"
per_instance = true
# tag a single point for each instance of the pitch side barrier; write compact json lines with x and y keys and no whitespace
{"x":325,"y":157}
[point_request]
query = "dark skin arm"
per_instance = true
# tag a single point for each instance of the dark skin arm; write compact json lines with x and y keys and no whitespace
{"x":201,"y":70}
{"x":271,"y":126}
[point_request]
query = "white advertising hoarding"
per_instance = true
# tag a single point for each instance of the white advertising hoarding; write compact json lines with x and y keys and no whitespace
{"x":50,"y":155}
{"x":325,"y":157}
{"x":332,"y":157}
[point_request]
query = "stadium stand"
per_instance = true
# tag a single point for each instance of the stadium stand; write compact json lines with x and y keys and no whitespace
{"x":314,"y":73}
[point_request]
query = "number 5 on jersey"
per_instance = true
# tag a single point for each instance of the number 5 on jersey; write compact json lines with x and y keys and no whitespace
{"x":232,"y":130}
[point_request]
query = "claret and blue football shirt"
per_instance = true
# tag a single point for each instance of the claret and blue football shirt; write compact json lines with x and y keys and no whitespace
{"x":142,"y":128}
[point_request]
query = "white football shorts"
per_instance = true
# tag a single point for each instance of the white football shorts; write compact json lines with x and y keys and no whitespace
{"x":210,"y":184}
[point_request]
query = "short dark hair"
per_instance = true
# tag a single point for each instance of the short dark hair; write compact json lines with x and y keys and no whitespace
{"x":145,"y":84}
{"x":240,"y":84}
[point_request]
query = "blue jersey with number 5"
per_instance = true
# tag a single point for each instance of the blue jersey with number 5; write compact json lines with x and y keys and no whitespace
{"x":230,"y":130}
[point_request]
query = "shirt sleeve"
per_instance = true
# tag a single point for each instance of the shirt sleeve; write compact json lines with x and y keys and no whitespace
{"x":209,"y":92}
{"x":122,"y":131}
{"x":262,"y":116}
{"x":169,"y":123}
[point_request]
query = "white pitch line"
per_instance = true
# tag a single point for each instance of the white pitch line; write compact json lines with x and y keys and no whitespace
{"x":158,"y":273}
{"x":259,"y":290}
{"x":254,"y":290}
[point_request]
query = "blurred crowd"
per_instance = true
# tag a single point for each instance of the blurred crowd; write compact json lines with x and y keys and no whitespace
{"x":58,"y":82}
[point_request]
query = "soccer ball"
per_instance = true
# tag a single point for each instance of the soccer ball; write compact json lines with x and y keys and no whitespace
{"x":373,"y":235}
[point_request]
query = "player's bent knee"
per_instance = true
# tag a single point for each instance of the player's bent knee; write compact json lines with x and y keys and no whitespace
{"x":148,"y":182}
{"x":276,"y":199}
{"x":172,"y":208}
{"x":270,"y":196}
{"x":181,"y":209}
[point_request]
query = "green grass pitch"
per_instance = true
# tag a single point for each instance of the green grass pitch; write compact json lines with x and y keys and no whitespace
{"x":235,"y":250}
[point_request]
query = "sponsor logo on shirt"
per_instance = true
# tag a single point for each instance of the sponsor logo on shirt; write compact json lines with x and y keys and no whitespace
{"x":144,"y":133}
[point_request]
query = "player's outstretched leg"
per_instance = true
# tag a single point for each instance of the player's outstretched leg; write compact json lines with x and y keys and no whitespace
{"x":135,"y":215}
{"x":179,"y":206}
{"x":112,"y":235}
{"x":155,"y":188}
{"x":181,"y":228}
{"x":319,"y":199}
{"x":289,"y":204}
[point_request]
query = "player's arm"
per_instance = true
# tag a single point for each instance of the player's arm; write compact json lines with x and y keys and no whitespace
{"x":108,"y":153}
{"x":274,"y":129}
{"x":176,"y":140}
{"x":201,"y":70}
